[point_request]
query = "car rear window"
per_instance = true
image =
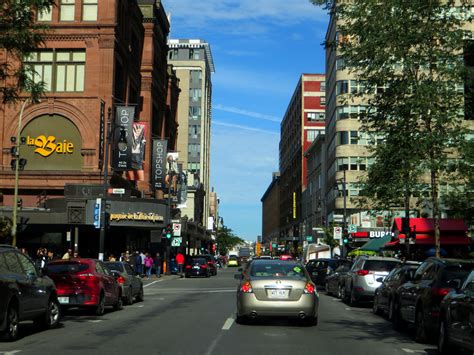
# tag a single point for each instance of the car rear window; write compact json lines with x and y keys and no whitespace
{"x":380,"y":265}
{"x":232,"y":257}
{"x":284,"y":270}
{"x":115,"y":266}
{"x":65,"y":268}
{"x":455,"y":272}
{"x":198,"y":260}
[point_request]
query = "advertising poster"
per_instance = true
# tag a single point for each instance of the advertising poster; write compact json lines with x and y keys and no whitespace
{"x":122,"y":143}
{"x":138,"y":151}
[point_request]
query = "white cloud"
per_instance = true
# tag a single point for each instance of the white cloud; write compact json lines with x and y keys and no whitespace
{"x":239,"y":111}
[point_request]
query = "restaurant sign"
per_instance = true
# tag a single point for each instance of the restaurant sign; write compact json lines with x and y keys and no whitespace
{"x":137,"y":216}
{"x":380,"y":234}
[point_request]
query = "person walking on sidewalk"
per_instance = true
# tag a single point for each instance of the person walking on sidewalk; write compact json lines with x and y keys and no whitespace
{"x":180,"y":262}
{"x":139,"y":264}
{"x":148,"y":265}
{"x":157,"y":264}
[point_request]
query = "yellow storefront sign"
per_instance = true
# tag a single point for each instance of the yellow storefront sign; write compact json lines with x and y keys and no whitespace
{"x":48,"y":145}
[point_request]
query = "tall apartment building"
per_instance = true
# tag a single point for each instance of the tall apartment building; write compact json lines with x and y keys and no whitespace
{"x":192,"y":60}
{"x":303,"y":122}
{"x":348,"y":157}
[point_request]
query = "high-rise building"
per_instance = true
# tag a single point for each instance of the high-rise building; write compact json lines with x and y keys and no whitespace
{"x":192,"y":60}
{"x":303,"y":122}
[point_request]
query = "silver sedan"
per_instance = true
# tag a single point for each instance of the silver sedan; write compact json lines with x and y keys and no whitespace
{"x":276,"y":288}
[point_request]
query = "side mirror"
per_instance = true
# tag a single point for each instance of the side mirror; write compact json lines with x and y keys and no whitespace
{"x":238,"y":276}
{"x":379,"y":279}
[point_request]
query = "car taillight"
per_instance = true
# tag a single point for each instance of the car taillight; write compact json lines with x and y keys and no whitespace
{"x":86,"y":276}
{"x":188,"y":266}
{"x":209,"y":262}
{"x":440,"y":291}
{"x":121,"y":279}
{"x":309,"y":288}
{"x":246,"y":287}
{"x":204,"y":266}
{"x":362,"y":272}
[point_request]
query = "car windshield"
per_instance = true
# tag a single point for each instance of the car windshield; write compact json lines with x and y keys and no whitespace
{"x":65,"y":268}
{"x":455,"y":272}
{"x":286,"y":270}
{"x":115,"y":266}
{"x":380,"y":265}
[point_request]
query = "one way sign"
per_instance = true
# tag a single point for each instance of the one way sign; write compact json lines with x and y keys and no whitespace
{"x":177,"y":229}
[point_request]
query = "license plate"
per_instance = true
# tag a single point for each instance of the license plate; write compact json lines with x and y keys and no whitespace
{"x":277,"y":293}
{"x":196,"y":267}
{"x":63,"y":300}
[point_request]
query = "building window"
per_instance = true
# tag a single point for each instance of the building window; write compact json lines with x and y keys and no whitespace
{"x":354,"y":137}
{"x":340,"y":64}
{"x":342,"y":138}
{"x":194,"y":150}
{"x":45,"y":15}
{"x":195,"y":95}
{"x":312,"y":134}
{"x":60,"y":70}
{"x":194,"y":53}
{"x":173,"y":54}
{"x":196,"y":77}
{"x":342,"y":87}
{"x":316,"y":116}
{"x":194,"y":112}
{"x":66,"y":10}
{"x":322,"y":86}
{"x":193,"y":167}
{"x":89,"y":10}
{"x":323,"y":100}
{"x":194,"y":131}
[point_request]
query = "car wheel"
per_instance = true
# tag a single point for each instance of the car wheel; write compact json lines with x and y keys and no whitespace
{"x":444,"y":346}
{"x":352,"y":298}
{"x":311,"y":321}
{"x":141,"y":295}
{"x":344,"y":294}
{"x":339,"y":291}
{"x":208,"y":274}
{"x":241,"y":320}
{"x":52,"y":315}
{"x":375,"y":307}
{"x":129,"y":298}
{"x":391,"y":306}
{"x":398,"y":323}
{"x":326,"y":288}
{"x":186,"y":276}
{"x":100,"y":308}
{"x":119,"y":304}
{"x":12,"y":324}
{"x":420,"y":326}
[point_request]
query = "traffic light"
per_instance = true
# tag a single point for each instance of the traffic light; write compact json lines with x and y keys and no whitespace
{"x":168,"y":231}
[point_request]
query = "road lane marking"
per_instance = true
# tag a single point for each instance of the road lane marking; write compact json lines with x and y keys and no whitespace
{"x":11,"y":352}
{"x":410,"y":351}
{"x":95,"y":320}
{"x":151,"y":283}
{"x":348,"y":309}
{"x":228,"y":323}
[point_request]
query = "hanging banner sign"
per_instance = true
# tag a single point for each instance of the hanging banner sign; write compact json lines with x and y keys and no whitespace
{"x":122,"y":132}
{"x":101,"y":134}
{"x":158,"y":165}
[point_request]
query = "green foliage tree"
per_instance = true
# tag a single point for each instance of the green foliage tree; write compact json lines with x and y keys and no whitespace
{"x":407,"y":55}
{"x":328,"y":238}
{"x":19,"y":36}
{"x":226,"y":240}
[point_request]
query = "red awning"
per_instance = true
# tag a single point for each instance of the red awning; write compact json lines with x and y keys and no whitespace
{"x":359,"y":235}
{"x":429,"y":239}
{"x":426,"y":225}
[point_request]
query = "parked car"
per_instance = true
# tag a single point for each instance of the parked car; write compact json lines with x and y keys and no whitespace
{"x":318,"y":269}
{"x":385,"y":293}
{"x":85,"y":283}
{"x":233,"y":261}
{"x":418,"y":300}
{"x":25,"y":294}
{"x":276,"y":288}
{"x":335,"y":280}
{"x":197,"y":266}
{"x":361,"y":282}
{"x":132,"y":285}
{"x":211,"y":263}
{"x":456,"y":326}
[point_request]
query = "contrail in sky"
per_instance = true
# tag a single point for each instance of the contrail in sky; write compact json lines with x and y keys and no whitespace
{"x":239,"y":111}
{"x":244,"y":127}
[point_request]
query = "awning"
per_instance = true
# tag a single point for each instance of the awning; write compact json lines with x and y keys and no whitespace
{"x":429,"y":239}
{"x":376,"y":244}
{"x":359,"y":234}
{"x":426,"y":225}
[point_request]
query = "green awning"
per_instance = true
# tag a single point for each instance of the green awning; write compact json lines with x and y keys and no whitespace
{"x":376,"y":244}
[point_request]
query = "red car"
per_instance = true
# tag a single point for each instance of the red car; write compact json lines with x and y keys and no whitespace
{"x":85,"y":283}
{"x":285,"y":257}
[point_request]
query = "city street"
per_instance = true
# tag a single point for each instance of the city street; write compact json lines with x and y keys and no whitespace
{"x":196,"y":316}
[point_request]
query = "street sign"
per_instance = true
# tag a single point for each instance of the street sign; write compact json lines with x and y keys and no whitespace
{"x":176,"y":241}
{"x":337,"y":232}
{"x":177,"y":229}
{"x":309,"y":238}
{"x":338,"y":218}
{"x":118,"y":191}
{"x":352,"y":228}
{"x":97,"y":212}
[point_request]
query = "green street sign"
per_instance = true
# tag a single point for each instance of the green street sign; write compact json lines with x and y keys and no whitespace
{"x":176,"y":241}
{"x":352,"y":228}
{"x":309,"y":238}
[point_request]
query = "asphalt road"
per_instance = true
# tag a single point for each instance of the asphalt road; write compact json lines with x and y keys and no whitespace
{"x":197,"y":316}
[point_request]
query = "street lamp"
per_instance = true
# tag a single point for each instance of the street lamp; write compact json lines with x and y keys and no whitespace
{"x":17,"y":169}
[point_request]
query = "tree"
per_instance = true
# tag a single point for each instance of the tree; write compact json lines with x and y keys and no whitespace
{"x":19,"y":36}
{"x":226,"y":240}
{"x":328,"y":238}
{"x":406,"y":56}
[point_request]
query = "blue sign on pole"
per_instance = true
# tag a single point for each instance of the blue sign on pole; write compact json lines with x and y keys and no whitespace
{"x":97,"y":212}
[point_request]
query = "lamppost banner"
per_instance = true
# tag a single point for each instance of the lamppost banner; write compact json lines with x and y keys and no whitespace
{"x":101,"y":135}
{"x":122,"y":132}
{"x":158,"y":166}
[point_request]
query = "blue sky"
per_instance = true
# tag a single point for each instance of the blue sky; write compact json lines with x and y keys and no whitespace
{"x":260,"y":48}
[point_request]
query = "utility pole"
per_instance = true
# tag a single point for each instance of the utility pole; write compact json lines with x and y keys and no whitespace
{"x":344,"y":215}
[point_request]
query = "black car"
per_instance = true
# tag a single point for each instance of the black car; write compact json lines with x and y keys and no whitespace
{"x":334,"y":281}
{"x":456,"y":326}
{"x":24,"y":294}
{"x":197,"y":266}
{"x":385,"y":293}
{"x":418,"y":301}
{"x":318,"y":269}
{"x":211,"y":263}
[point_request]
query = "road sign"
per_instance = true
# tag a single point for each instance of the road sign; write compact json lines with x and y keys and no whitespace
{"x":352,"y":228}
{"x":337,"y":232}
{"x":177,"y":229}
{"x":176,"y":241}
{"x":309,"y":238}
{"x":97,"y":212}
{"x":338,"y":218}
{"x":118,"y":191}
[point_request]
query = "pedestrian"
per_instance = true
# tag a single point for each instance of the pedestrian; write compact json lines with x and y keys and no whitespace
{"x":157,"y":264}
{"x":148,"y":265}
{"x":112,"y":257}
{"x":138,"y":264}
{"x":180,"y":262}
{"x":67,"y":255}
